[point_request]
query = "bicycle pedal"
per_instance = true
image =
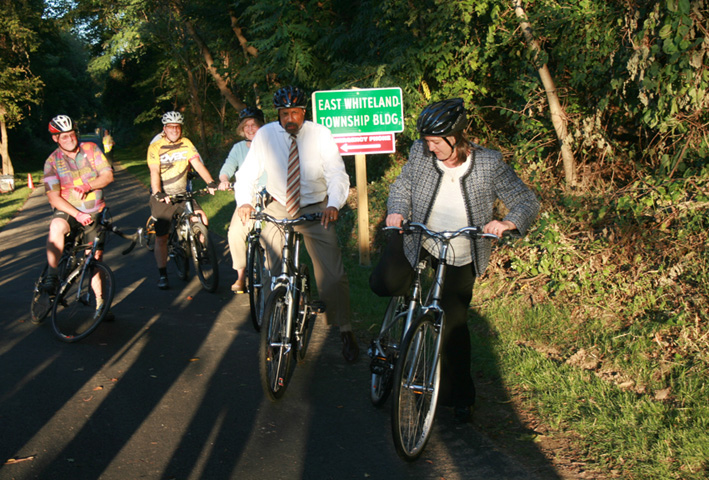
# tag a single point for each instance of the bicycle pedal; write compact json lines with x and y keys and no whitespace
{"x":318,"y":306}
{"x":380,"y":366}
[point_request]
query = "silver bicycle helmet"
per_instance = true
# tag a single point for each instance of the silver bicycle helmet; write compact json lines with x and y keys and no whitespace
{"x":172,"y":117}
{"x":61,"y":124}
{"x":442,"y":119}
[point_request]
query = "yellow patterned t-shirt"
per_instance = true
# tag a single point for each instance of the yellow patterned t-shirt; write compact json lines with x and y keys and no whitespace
{"x":174,"y":161}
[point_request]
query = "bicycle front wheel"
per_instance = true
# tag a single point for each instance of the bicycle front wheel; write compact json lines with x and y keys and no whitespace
{"x":416,"y":381}
{"x":204,"y":256}
{"x":384,"y":360}
{"x":275,"y":353}
{"x":149,"y":233}
{"x":41,"y":300}
{"x":76,"y":312}
{"x":305,"y":315}
{"x":257,"y":274}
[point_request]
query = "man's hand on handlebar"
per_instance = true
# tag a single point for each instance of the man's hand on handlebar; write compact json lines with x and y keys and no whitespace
{"x":84,"y":218}
{"x":162,"y":197}
{"x":330,"y":214}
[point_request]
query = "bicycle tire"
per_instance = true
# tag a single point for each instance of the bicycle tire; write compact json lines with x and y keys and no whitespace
{"x":74,"y":313}
{"x":204,"y":256}
{"x":305,"y":316}
{"x":416,"y":381}
{"x":275,"y":359}
{"x":389,"y":339}
{"x":178,"y":254}
{"x":256,"y":274}
{"x":42,"y":301}
{"x":149,"y":234}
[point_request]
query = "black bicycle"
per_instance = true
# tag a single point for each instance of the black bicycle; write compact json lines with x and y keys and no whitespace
{"x":289,"y":313}
{"x":256,"y":271}
{"x":86,"y":285}
{"x":189,"y":237}
{"x":406,"y":353}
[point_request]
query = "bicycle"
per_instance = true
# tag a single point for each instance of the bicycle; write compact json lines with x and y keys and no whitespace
{"x":190,"y":236}
{"x":406,"y":353}
{"x":256,"y":271}
{"x":77,"y":309}
{"x":289,"y":311}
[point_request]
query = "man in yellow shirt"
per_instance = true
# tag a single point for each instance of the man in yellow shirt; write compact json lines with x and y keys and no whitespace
{"x":170,"y":158}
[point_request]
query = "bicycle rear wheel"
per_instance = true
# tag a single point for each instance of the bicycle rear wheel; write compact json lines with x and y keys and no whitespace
{"x":204,"y":256}
{"x":389,"y":338}
{"x":76,"y":313}
{"x":416,"y":380}
{"x":257,"y":274}
{"x":275,"y":355}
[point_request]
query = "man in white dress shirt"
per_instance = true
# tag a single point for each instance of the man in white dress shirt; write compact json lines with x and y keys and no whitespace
{"x":323,"y":187}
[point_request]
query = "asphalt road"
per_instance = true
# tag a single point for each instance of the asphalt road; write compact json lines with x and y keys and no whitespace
{"x":170,"y":390}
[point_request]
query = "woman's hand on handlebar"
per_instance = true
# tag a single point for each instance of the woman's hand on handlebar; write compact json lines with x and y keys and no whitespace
{"x":245,"y":212}
{"x":498,"y":228}
{"x":394,"y":220}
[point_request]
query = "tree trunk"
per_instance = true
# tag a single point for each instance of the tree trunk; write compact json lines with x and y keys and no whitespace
{"x":248,"y":49}
{"x":7,"y":168}
{"x":197,"y":105}
{"x":558,"y":116}
{"x":218,"y":79}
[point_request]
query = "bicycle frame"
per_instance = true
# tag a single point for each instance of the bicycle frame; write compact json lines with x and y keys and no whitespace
{"x":290,"y":263}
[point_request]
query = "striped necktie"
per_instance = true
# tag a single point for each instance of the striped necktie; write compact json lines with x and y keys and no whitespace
{"x":293,"y":180}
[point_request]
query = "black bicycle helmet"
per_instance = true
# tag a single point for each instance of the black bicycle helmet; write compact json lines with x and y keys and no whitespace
{"x":442,"y":119}
{"x":251,"y":112}
{"x":289,"y":97}
{"x":60,"y":124}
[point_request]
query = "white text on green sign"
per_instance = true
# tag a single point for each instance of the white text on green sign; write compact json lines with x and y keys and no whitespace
{"x":369,"y":110}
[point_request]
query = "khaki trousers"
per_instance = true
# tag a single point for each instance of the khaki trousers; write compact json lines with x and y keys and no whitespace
{"x":321,"y":244}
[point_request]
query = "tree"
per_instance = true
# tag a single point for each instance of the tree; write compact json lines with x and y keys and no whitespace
{"x":558,"y":116}
{"x":18,"y":86}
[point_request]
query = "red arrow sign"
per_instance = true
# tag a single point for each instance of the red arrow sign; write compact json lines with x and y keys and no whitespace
{"x":367,"y":144}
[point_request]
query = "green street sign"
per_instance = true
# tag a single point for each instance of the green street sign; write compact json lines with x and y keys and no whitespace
{"x":367,"y":110}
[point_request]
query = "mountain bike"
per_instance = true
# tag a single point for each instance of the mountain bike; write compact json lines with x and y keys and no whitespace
{"x":406,"y":353}
{"x":256,"y":271}
{"x":87,"y":285}
{"x":289,"y":312}
{"x":189,"y":236}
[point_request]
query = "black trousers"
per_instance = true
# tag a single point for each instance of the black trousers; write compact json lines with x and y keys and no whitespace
{"x":393,"y":276}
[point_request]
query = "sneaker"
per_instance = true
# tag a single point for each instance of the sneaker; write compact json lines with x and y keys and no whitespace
{"x":163,"y":284}
{"x":50,"y":284}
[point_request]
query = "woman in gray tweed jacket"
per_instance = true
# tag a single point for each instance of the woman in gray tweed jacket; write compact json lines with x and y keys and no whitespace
{"x":449,"y":183}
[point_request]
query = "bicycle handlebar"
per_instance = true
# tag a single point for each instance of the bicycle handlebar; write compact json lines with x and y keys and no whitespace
{"x":189,"y":195}
{"x":309,"y":217}
{"x":472,"y":231}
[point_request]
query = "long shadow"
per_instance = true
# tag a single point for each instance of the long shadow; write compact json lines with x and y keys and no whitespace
{"x":171,"y":389}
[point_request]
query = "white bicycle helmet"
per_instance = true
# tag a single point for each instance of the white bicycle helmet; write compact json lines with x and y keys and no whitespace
{"x":60,"y":124}
{"x":172,"y":117}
